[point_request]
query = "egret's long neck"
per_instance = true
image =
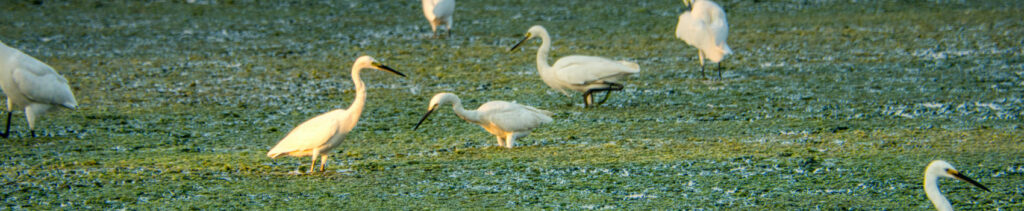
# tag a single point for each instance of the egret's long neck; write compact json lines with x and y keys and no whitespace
{"x":356,"y":109}
{"x":468,"y":115}
{"x":931,"y":189}
{"x":542,"y":52}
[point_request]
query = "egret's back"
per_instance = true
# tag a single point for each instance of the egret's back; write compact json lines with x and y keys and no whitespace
{"x":514,"y":117}
{"x":705,"y":27}
{"x":318,"y":133}
{"x":26,"y":80}
{"x":579,"y":70}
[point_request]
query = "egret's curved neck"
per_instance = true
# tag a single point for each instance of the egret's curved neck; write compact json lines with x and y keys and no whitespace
{"x":356,"y":108}
{"x":468,"y":115}
{"x":931,"y":189}
{"x":542,"y":52}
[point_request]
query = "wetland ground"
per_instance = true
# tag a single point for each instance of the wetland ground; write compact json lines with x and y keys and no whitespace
{"x":825,"y":104}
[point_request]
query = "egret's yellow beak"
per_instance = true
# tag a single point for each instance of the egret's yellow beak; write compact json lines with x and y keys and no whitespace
{"x":431,"y":110}
{"x":528,"y":36}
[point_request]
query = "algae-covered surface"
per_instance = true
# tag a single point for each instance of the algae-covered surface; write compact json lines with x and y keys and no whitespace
{"x":824,"y":105}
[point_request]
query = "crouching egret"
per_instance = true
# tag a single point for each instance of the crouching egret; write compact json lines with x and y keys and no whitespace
{"x":705,"y":28}
{"x":506,"y":120}
{"x":319,"y":135}
{"x":587,"y":74}
{"x":439,"y":12}
{"x":32,"y":85}
{"x":932,"y":173}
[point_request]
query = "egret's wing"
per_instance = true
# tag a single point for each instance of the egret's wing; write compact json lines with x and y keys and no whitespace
{"x":444,"y":8}
{"x":428,"y":9}
{"x":513,"y":117}
{"x":692,"y":30}
{"x":40,"y":83}
{"x":311,"y":134}
{"x":586,"y":69}
{"x":718,"y":25}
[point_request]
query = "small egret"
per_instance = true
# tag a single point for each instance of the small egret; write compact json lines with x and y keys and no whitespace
{"x":587,"y":74}
{"x":439,"y":12}
{"x":319,"y":135}
{"x":932,"y":173}
{"x":705,"y":28}
{"x":32,"y":85}
{"x":506,"y":120}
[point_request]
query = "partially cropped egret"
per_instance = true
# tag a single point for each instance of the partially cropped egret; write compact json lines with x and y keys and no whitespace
{"x":705,"y":28}
{"x":319,"y":135}
{"x":936,"y":169}
{"x":507,"y":121}
{"x":587,"y":74}
{"x":32,"y":85}
{"x":439,"y":12}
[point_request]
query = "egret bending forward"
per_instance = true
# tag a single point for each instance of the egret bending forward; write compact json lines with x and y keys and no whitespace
{"x":705,"y":28}
{"x":932,"y":173}
{"x":587,"y":74}
{"x":32,"y":85}
{"x":439,"y":12}
{"x":319,"y":135}
{"x":506,"y":120}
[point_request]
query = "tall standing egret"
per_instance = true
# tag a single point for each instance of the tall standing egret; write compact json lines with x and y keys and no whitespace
{"x":32,"y":85}
{"x":936,"y":169}
{"x":439,"y":12}
{"x":587,"y":74}
{"x":507,"y":121}
{"x":319,"y":135}
{"x":705,"y":28}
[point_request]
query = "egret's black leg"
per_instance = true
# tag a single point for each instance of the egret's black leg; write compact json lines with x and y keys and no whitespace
{"x":702,"y":72}
{"x":608,"y":91}
{"x":720,"y":70}
{"x":7,"y":132}
{"x":588,"y":98}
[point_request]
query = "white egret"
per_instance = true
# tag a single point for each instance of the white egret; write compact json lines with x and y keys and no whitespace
{"x":587,"y":74}
{"x":439,"y":12}
{"x":507,"y":121}
{"x":936,"y":169}
{"x":319,"y":135}
{"x":32,"y":85}
{"x":706,"y":28}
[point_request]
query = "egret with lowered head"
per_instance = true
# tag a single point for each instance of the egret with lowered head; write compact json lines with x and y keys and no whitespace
{"x":319,"y":135}
{"x":939,"y":168}
{"x":32,"y":85}
{"x":587,"y":74}
{"x":439,"y":12}
{"x":705,"y":28}
{"x":507,"y":121}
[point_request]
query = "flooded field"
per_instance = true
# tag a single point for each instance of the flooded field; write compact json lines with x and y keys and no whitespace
{"x":823,"y":105}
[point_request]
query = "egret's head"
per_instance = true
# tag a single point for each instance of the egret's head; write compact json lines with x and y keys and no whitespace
{"x":944,"y":169}
{"x":435,"y":102}
{"x":369,"y":62}
{"x":534,"y":31}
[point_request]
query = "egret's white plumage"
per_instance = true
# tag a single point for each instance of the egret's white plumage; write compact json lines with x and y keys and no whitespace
{"x":439,"y":12}
{"x":319,"y":135}
{"x":507,"y":121}
{"x":587,"y":74}
{"x":936,"y":169}
{"x":32,"y":85}
{"x":706,"y":28}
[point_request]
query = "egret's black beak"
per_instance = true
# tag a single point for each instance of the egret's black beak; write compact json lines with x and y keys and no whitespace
{"x":424,"y":117}
{"x":388,"y":69}
{"x":957,"y":175}
{"x":519,"y":43}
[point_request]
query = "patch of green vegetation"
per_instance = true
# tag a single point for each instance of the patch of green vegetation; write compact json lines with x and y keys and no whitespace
{"x":824,"y":105}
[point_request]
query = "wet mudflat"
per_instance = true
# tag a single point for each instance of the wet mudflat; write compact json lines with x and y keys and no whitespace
{"x":824,"y":105}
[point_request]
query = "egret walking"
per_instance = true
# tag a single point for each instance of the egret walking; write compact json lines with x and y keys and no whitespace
{"x":32,"y":85}
{"x":439,"y":12}
{"x":932,"y":173}
{"x":587,"y":74}
{"x":319,"y":135}
{"x":705,"y":28}
{"x":507,"y":121}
